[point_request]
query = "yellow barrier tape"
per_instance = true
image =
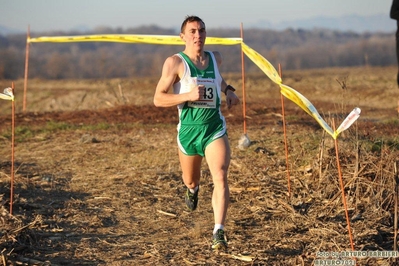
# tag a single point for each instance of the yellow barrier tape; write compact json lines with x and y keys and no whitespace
{"x":262,"y":63}
{"x":258,"y":59}
{"x":6,"y":97}
{"x":348,"y":121}
{"x":7,"y":94}
{"x":126,"y":38}
{"x":306,"y":105}
{"x":292,"y":94}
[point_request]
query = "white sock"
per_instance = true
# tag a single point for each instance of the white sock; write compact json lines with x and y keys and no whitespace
{"x":193,"y":190}
{"x":217,"y":227}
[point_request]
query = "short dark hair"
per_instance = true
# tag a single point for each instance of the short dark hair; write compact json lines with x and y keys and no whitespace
{"x":190,"y":19}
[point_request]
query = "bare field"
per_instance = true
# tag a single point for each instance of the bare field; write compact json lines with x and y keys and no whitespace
{"x":98,"y":182}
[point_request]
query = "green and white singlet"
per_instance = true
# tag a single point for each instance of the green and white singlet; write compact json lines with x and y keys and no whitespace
{"x":200,"y":122}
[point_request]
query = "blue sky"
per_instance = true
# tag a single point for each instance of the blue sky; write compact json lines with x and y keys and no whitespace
{"x":48,"y":15}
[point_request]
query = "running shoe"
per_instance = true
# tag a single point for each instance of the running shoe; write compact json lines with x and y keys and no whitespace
{"x":191,"y":199}
{"x":219,"y":240}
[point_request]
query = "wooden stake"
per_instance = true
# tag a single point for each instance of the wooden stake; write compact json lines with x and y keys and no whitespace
{"x":395,"y":222}
{"x":12,"y":148}
{"x":341,"y":182}
{"x":243,"y":84}
{"x":320,"y":159}
{"x":285,"y":138}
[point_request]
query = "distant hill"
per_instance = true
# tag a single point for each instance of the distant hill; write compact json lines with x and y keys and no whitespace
{"x":6,"y":30}
{"x":346,"y":42}
{"x":354,"y":23}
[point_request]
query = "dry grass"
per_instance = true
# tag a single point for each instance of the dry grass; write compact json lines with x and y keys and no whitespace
{"x":103,"y":187}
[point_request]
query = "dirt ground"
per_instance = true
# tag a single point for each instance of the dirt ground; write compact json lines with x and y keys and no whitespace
{"x":97,"y":179}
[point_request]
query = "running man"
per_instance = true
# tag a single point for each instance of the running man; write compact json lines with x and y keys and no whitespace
{"x":197,"y":91}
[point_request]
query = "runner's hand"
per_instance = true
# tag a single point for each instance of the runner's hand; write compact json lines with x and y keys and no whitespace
{"x":195,"y":93}
{"x":231,"y":99}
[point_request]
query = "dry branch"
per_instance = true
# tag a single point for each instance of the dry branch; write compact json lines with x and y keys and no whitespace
{"x":167,"y":213}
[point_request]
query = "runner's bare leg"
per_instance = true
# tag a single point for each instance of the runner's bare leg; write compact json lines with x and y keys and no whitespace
{"x":217,"y":155}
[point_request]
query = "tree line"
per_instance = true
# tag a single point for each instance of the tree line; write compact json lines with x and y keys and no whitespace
{"x":293,"y":49}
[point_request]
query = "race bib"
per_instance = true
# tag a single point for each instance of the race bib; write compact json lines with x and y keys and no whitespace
{"x":208,"y":96}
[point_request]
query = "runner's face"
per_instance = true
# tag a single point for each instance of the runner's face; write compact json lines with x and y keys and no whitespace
{"x":194,"y":34}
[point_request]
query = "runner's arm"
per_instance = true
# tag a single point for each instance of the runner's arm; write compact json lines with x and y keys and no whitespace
{"x":170,"y":71}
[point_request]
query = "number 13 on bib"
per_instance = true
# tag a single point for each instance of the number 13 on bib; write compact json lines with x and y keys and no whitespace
{"x":208,"y":97}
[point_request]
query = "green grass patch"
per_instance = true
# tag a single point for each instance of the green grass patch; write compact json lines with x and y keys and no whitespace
{"x":24,"y":133}
{"x":385,"y":143}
